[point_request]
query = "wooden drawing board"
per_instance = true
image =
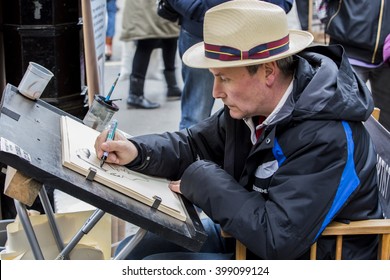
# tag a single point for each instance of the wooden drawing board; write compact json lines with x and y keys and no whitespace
{"x":78,"y":154}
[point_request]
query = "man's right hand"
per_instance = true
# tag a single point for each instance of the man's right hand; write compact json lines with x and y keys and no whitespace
{"x":121,"y":150}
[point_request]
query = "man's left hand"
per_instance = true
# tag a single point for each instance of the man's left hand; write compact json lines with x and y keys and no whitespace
{"x":175,"y":186}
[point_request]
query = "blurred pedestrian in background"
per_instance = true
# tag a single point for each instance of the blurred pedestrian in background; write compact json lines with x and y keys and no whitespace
{"x":110,"y":31}
{"x":149,"y":31}
{"x":362,"y":27}
{"x":303,"y":13}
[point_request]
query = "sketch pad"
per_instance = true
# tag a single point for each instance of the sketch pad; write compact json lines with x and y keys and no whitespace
{"x":78,"y":154}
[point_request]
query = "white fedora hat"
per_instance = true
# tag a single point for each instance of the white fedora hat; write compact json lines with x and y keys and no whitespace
{"x":245,"y":32}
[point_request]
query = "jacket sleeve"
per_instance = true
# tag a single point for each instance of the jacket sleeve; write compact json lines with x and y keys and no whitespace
{"x":168,"y":154}
{"x":286,"y":5}
{"x":196,"y":9}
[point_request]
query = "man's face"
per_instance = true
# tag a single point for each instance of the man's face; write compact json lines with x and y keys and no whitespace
{"x":244,"y":94}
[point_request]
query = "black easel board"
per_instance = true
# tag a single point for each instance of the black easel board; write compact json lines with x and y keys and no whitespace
{"x":34,"y":126}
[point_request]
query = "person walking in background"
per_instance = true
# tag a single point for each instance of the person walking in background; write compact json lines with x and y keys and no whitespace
{"x":366,"y":40}
{"x":197,"y":101}
{"x":303,"y":13}
{"x":142,"y":24}
{"x":110,"y":31}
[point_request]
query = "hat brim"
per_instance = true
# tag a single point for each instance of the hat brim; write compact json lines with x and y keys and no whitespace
{"x":195,"y":56}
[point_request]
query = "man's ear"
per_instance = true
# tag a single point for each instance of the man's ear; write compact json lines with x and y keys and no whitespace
{"x":270,"y":69}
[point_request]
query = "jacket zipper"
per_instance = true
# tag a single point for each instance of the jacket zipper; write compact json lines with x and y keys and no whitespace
{"x":335,"y":14}
{"x":378,"y":35}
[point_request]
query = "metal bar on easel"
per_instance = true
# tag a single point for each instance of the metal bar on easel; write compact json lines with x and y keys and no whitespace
{"x":51,"y":219}
{"x":29,"y":230}
{"x":138,"y":235}
{"x":131,"y":244}
{"x":88,"y":225}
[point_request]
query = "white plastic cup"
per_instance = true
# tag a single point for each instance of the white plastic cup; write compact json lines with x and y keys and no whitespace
{"x":34,"y":81}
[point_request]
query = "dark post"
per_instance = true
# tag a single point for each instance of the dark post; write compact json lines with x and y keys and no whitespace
{"x":2,"y":67}
{"x":47,"y":32}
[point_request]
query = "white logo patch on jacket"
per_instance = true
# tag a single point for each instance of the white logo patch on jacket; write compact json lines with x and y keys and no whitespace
{"x":263,"y":172}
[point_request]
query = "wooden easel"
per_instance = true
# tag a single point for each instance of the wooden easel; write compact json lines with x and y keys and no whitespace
{"x":2,"y":63}
{"x":43,"y":144}
{"x":89,"y":50}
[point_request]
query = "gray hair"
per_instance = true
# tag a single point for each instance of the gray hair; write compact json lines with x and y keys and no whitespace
{"x":286,"y":65}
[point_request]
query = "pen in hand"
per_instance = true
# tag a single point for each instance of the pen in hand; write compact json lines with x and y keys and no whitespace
{"x":110,"y":136}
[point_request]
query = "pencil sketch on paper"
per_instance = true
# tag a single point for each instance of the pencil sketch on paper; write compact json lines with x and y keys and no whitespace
{"x":78,"y":154}
{"x":112,"y":169}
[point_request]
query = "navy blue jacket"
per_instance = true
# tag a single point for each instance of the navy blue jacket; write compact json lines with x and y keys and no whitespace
{"x":360,"y":26}
{"x":192,"y":12}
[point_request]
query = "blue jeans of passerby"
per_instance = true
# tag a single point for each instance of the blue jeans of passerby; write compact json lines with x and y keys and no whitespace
{"x":111,"y":14}
{"x":197,"y":100}
{"x":154,"y":247}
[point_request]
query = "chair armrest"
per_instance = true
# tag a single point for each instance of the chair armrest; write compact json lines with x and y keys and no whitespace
{"x":375,"y":226}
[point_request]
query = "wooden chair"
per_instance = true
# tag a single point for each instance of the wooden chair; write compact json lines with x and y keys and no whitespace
{"x":381,"y":139}
{"x":381,"y":227}
{"x":376,"y":113}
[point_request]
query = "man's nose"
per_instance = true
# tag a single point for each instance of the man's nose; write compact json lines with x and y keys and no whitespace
{"x":217,"y":91}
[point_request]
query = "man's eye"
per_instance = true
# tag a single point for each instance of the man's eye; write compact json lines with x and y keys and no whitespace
{"x":223,"y":79}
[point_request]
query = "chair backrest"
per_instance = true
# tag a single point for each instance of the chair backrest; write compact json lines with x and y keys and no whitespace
{"x":381,"y":139}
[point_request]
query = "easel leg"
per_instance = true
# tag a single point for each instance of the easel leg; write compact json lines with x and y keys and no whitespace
{"x":28,"y":228}
{"x":50,"y":216}
{"x":89,"y":224}
{"x":131,"y":245}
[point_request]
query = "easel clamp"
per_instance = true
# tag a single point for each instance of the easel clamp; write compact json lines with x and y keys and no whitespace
{"x":157,"y":202}
{"x":91,"y":174}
